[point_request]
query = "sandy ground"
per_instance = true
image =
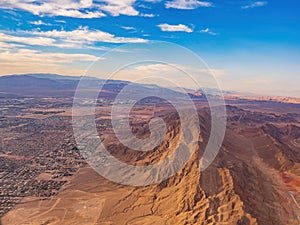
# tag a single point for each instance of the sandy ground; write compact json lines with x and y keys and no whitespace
{"x":80,"y":202}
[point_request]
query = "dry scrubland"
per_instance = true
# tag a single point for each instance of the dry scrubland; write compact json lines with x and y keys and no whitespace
{"x":255,"y":178}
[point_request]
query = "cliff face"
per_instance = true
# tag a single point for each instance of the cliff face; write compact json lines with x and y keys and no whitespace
{"x":255,"y":179}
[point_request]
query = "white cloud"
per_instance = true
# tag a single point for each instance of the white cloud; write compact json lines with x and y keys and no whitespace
{"x":153,"y":69}
{"x":255,"y":5}
{"x":187,"y":4}
{"x":128,"y":28}
{"x":68,"y":8}
{"x":27,"y":60}
{"x":30,"y":55}
{"x":41,"y":41}
{"x":8,"y":46}
{"x":117,"y":7}
{"x":73,"y":8}
{"x":83,"y":34}
{"x":60,"y":21}
{"x":174,"y":28}
{"x":171,"y":73}
{"x":150,"y":15}
{"x":208,"y":31}
{"x":39,"y":22}
{"x":144,"y":6}
{"x":153,"y":1}
{"x":77,"y":39}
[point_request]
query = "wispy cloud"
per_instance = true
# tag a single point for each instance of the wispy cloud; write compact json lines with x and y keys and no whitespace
{"x":60,"y":21}
{"x":173,"y":73}
{"x":175,"y":28}
{"x":117,"y":7}
{"x":128,"y":28}
{"x":83,"y":34}
{"x":77,"y":39}
{"x":73,"y":8}
{"x":93,"y":8}
{"x":187,"y":4}
{"x":153,"y":1}
{"x":150,"y":15}
{"x":28,"y":40}
{"x":25,"y":60}
{"x":39,"y":22}
{"x":68,"y":8}
{"x":255,"y":5}
{"x":35,"y":55}
{"x":9,"y":46}
{"x":208,"y":31}
{"x":158,"y":68}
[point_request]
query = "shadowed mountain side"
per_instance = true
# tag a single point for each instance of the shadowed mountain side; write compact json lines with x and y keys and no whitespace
{"x":253,"y":180}
{"x":52,"y":85}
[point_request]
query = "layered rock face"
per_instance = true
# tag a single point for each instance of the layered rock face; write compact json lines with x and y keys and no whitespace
{"x":255,"y":179}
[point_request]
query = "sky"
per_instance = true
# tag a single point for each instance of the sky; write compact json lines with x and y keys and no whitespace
{"x":251,"y":46}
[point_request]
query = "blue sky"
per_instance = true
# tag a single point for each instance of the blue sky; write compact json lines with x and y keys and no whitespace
{"x":253,"y":46}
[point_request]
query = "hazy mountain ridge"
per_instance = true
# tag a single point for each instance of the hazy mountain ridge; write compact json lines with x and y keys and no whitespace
{"x":59,"y":85}
{"x":53,"y":85}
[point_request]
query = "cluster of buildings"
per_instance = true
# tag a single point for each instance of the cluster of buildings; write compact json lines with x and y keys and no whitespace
{"x":38,"y":153}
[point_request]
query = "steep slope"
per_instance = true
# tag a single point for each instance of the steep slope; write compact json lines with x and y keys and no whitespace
{"x":253,"y":180}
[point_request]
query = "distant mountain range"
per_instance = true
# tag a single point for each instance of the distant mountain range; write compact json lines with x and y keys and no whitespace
{"x":36,"y":85}
{"x":54,"y":85}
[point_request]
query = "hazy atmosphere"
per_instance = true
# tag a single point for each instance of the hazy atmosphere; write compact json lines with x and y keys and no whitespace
{"x":149,"y":112}
{"x":251,"y":46}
